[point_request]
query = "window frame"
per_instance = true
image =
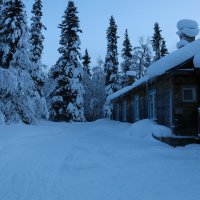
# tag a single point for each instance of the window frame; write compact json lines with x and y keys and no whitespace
{"x":136,"y":106}
{"x":194,"y":94}
{"x":124,"y":107}
{"x":152,"y":108}
{"x":117,"y":111}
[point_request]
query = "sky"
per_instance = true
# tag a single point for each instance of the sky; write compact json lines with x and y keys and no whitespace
{"x":138,"y":16}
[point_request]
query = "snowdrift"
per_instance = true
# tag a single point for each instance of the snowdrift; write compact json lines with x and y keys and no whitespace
{"x":145,"y":128}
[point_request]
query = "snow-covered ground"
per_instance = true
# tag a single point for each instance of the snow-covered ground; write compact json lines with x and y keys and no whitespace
{"x":102,"y":160}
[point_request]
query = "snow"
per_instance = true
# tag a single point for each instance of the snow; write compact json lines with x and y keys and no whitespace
{"x":67,"y":73}
{"x":102,"y":160}
{"x":2,"y":118}
{"x":131,"y":73}
{"x":196,"y":60}
{"x":127,"y":89}
{"x":189,"y":32}
{"x":174,"y":59}
{"x":8,"y":82}
{"x":187,"y":23}
{"x":181,"y":44}
{"x":162,"y":131}
{"x":145,"y":125}
{"x":164,"y":64}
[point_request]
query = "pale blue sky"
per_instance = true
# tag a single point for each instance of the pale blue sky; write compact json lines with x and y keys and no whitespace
{"x":138,"y":16}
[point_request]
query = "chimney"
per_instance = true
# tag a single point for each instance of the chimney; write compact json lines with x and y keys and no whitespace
{"x":130,"y":77}
{"x":187,"y":31}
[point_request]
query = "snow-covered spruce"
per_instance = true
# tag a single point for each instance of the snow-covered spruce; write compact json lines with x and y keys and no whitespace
{"x":66,"y":97}
{"x":126,"y":53}
{"x":111,"y":64}
{"x":36,"y":45}
{"x":36,"y":36}
{"x":19,"y":99}
{"x":111,"y":61}
{"x":127,"y":64}
{"x":87,"y":85}
{"x":158,"y":43}
{"x":86,"y":63}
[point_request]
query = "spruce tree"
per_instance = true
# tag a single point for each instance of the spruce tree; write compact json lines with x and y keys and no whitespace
{"x":126,"y":64}
{"x":126,"y":53}
{"x":67,"y":96}
{"x":157,"y":43}
{"x":1,"y":4}
{"x":36,"y":36}
{"x":111,"y":65}
{"x":111,"y":61}
{"x":87,"y":85}
{"x":86,"y":63}
{"x":19,"y":99}
{"x":163,"y":50}
{"x":36,"y":44}
{"x":1,"y":7}
{"x":13,"y":31}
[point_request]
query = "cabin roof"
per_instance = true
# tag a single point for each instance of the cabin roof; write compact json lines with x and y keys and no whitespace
{"x":166,"y":63}
{"x":174,"y":59}
{"x":127,"y":89}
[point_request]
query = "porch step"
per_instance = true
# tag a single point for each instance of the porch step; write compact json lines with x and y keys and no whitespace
{"x":178,"y":141}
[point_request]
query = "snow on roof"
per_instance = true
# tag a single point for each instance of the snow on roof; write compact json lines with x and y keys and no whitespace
{"x":196,"y":60}
{"x":189,"y":32}
{"x":187,"y":23}
{"x":174,"y":59}
{"x":181,"y":44}
{"x":164,"y":64}
{"x":127,"y":89}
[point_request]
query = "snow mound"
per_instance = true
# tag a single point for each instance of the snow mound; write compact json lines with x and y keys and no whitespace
{"x":145,"y":128}
{"x":187,"y":23}
{"x":161,"y":131}
{"x":196,"y":60}
{"x":142,"y":128}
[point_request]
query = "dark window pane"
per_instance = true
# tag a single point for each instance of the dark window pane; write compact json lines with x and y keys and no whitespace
{"x":188,"y":94}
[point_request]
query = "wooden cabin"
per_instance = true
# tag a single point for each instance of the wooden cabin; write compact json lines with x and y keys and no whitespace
{"x":169,"y":94}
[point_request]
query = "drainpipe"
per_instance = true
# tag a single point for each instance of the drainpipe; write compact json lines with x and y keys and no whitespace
{"x":146,"y":99}
{"x":199,"y":121}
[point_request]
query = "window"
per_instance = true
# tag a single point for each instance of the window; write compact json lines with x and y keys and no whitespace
{"x":136,"y":115}
{"x":124,"y":110}
{"x":152,"y":104}
{"x":189,"y":94}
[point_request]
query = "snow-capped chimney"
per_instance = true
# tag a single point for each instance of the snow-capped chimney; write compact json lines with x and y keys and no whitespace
{"x":130,"y":77}
{"x":187,"y":31}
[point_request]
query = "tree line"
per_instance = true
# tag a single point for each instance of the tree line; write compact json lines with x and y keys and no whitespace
{"x":72,"y":91}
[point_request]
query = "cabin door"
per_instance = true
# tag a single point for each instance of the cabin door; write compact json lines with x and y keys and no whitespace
{"x":188,"y":116}
{"x":190,"y":121}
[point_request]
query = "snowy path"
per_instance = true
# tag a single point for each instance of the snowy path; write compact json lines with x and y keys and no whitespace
{"x":93,"y":161}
